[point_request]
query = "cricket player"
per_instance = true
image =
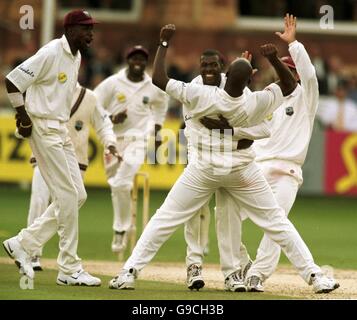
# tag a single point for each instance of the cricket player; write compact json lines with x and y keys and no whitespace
{"x":282,"y":155}
{"x":209,"y":168}
{"x":85,"y":112}
{"x":197,"y":228}
{"x":49,"y":78}
{"x":137,"y":108}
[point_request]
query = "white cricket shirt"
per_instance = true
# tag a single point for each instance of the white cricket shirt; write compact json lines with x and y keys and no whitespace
{"x":244,"y":111}
{"x":49,"y":78}
{"x":146,"y":104}
{"x":260,"y":131}
{"x":292,"y":123}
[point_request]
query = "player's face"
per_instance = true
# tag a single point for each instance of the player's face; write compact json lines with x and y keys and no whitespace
{"x":210,"y":70}
{"x":82,"y":36}
{"x":137,"y":63}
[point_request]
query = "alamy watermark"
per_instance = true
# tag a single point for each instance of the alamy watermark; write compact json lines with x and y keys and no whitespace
{"x":26,"y":283}
{"x":326,"y":21}
{"x":26,"y":21}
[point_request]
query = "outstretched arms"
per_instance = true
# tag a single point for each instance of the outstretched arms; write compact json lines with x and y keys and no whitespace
{"x":159,"y":76}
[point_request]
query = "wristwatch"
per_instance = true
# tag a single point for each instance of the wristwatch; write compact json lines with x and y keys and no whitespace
{"x":164,"y":44}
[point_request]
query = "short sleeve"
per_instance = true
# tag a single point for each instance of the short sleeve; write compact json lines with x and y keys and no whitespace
{"x":186,"y":93}
{"x":31,"y":70}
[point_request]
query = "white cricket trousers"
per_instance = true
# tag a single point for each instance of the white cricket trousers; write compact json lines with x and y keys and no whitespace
{"x":121,"y":177}
{"x":58,"y":165}
{"x":196,"y":234}
{"x":284,"y":180}
{"x":228,"y":220}
{"x":40,"y":199}
{"x":248,"y":187}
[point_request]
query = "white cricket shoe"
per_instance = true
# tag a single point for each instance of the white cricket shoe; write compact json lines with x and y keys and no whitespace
{"x":79,"y":278}
{"x":16,"y":251}
{"x":120,"y":241}
{"x":36,"y":263}
{"x":194,"y":277}
{"x":235,"y":282}
{"x":323,"y":284}
{"x":125,"y":280}
{"x":254,"y":284}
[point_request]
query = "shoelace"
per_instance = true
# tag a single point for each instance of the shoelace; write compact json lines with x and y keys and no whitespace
{"x":237,"y":276}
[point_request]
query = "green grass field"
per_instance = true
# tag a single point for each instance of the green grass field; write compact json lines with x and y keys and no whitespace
{"x":328,"y":225}
{"x":45,"y":288}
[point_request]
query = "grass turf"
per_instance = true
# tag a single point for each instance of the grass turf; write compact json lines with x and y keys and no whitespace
{"x":46,"y":289}
{"x":326,"y":224}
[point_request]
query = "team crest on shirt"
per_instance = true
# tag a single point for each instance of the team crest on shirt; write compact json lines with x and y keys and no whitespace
{"x":145,"y":100}
{"x":289,"y":111}
{"x":78,"y":125}
{"x":62,"y":77}
{"x":121,"y":97}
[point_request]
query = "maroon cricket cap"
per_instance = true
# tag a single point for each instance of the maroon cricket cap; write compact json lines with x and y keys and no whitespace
{"x":288,"y":61}
{"x":137,"y":49}
{"x":78,"y":16}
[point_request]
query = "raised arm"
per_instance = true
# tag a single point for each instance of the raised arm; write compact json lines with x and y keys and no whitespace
{"x":159,"y":76}
{"x":304,"y":67}
{"x":287,"y":81}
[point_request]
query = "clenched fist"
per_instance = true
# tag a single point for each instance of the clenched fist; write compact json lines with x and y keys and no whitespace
{"x":269,"y":50}
{"x":167,"y":32}
{"x":23,"y":124}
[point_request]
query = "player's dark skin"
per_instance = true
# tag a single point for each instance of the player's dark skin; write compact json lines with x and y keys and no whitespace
{"x":239,"y":71}
{"x":211,"y":69}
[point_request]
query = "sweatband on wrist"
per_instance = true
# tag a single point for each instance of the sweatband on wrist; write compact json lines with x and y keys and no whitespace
{"x":16,"y":99}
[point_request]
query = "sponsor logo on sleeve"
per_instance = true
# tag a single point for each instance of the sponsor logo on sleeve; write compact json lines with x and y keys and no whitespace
{"x":27,"y":71}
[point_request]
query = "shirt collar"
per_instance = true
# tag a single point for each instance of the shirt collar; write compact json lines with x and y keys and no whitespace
{"x":66,"y":46}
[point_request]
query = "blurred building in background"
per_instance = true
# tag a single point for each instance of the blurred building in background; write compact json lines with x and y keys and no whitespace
{"x":230,"y":26}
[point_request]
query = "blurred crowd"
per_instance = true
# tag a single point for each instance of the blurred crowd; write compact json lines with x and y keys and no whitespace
{"x":337,"y":81}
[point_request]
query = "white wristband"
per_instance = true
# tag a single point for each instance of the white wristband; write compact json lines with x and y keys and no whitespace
{"x":16,"y":99}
